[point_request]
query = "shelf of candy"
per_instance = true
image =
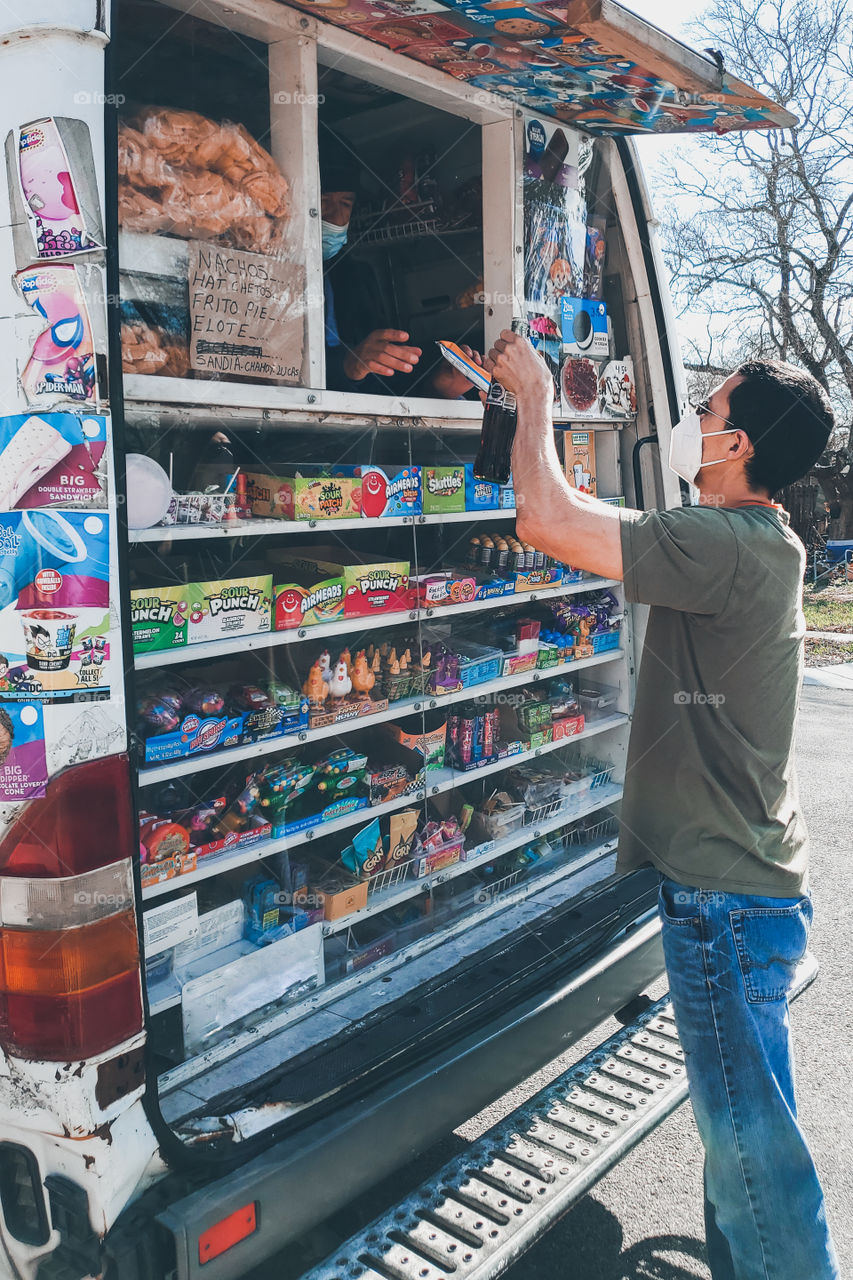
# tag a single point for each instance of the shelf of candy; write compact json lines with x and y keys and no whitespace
{"x":177,"y":719}
{"x":497,"y":727}
{"x":311,"y":494}
{"x":180,"y":830}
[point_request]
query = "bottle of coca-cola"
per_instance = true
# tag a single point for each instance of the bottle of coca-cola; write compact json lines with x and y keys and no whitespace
{"x":497,"y":433}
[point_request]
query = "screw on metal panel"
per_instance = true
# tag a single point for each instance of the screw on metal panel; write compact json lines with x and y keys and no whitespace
{"x":311,"y":399}
{"x":312,"y":213}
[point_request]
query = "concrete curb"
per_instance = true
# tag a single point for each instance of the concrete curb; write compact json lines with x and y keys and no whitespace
{"x":839,"y":676}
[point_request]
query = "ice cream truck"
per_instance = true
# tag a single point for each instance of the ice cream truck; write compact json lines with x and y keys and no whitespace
{"x":310,"y":768}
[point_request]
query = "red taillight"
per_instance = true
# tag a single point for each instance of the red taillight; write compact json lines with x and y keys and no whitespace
{"x":225,"y":1234}
{"x":70,"y":983}
{"x":84,"y":820}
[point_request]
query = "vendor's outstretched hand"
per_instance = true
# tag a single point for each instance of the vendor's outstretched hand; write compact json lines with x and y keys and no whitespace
{"x":382,"y":353}
{"x":519,"y":368}
{"x":449,"y":382}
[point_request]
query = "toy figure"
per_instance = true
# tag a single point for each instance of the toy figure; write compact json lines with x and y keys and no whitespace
{"x":325,"y":665}
{"x":363,"y":678}
{"x":315,"y":687}
{"x":340,"y":684}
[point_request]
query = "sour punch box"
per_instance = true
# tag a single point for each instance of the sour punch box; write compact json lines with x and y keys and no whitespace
{"x":176,"y":615}
{"x":314,"y":589}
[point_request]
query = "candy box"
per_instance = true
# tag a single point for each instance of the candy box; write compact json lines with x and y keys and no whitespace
{"x":176,"y":615}
{"x":506,"y":497}
{"x":318,"y":588}
{"x":443,"y":489}
{"x":389,"y":493}
{"x":536,"y":579}
{"x":480,"y":495}
{"x":567,"y":727}
{"x":194,"y":736}
{"x":298,"y":497}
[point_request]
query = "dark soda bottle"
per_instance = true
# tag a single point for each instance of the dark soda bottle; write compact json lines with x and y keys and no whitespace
{"x":497,"y":433}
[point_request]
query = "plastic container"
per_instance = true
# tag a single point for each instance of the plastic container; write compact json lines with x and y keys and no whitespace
{"x":504,"y":822}
{"x":604,"y":641}
{"x":597,"y":700}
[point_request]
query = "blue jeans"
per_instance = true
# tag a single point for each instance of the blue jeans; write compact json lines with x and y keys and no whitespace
{"x":731,"y":960}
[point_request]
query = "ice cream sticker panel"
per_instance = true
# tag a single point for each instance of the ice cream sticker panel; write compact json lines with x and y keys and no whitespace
{"x":54,"y":605}
{"x":52,"y":459}
{"x":23,"y":767}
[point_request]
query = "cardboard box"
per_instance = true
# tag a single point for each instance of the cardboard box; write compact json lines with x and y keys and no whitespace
{"x":537,"y":579}
{"x":580,"y":461}
{"x":337,"y":809}
{"x":177,"y":615}
{"x":341,"y":897}
{"x":317,"y":588}
{"x":387,"y":493}
{"x":480,"y":495}
{"x":357,"y":709}
{"x":568,"y":727}
{"x":317,"y":497}
{"x":443,"y":489}
{"x":195,"y":735}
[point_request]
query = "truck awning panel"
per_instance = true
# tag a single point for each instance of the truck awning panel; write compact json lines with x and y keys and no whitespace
{"x":590,"y":63}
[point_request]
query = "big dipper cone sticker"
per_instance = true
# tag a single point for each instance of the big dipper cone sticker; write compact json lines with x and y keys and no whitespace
{"x":54,"y":605}
{"x":23,"y":767}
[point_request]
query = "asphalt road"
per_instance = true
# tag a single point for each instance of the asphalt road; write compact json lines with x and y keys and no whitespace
{"x":644,"y":1220}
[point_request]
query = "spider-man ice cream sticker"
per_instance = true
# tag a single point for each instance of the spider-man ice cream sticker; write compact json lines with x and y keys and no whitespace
{"x":23,"y":766}
{"x":51,"y":198}
{"x":54,"y":606}
{"x":61,"y":365}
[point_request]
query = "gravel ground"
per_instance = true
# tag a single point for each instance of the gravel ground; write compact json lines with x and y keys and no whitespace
{"x":644,"y":1220}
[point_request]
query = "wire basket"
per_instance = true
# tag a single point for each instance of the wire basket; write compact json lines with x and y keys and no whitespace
{"x":385,"y":879}
{"x":542,"y":812}
{"x":594,"y":834}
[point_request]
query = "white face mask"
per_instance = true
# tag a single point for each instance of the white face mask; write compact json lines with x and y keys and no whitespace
{"x":685,"y":447}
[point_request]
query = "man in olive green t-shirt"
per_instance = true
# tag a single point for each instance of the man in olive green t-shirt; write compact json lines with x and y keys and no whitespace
{"x":710,"y":795}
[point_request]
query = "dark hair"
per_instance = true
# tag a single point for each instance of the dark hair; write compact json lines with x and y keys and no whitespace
{"x":340,"y":169}
{"x":788,"y":417}
{"x":6,"y":723}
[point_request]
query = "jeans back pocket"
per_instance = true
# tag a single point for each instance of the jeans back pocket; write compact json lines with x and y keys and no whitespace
{"x":770,"y":942}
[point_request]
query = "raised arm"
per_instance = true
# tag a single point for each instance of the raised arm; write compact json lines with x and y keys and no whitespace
{"x":573,"y":527}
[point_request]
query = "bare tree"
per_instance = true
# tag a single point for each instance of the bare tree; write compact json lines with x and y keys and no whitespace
{"x":765,"y":248}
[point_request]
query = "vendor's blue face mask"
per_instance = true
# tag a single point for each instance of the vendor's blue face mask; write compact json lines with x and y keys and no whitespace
{"x":334,"y":238}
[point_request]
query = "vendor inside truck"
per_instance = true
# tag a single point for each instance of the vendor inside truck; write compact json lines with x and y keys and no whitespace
{"x":364,"y":353}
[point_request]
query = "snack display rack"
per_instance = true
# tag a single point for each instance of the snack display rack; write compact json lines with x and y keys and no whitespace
{"x":453,"y":877}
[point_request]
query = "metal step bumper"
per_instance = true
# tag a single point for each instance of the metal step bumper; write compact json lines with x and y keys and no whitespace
{"x":479,"y":1213}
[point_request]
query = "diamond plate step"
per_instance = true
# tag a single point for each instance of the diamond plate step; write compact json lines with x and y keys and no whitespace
{"x":479,"y":1213}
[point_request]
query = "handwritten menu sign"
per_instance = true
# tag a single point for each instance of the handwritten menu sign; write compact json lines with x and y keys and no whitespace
{"x":246,"y":313}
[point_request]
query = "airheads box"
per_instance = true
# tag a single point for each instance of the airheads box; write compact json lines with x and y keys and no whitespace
{"x":318,"y":588}
{"x":583,"y":324}
{"x":480,"y":495}
{"x":444,"y":489}
{"x":310,"y":497}
{"x":389,"y":493}
{"x":176,"y":615}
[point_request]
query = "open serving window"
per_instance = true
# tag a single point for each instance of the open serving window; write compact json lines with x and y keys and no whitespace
{"x":379,"y":742}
